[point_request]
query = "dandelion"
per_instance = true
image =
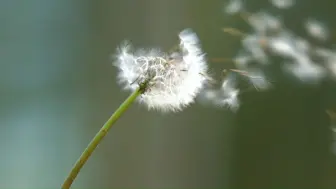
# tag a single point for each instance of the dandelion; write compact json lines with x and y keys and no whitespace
{"x":173,"y":81}
{"x":167,"y":82}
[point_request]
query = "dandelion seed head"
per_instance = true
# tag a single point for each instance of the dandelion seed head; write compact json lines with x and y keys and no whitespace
{"x":174,"y":80}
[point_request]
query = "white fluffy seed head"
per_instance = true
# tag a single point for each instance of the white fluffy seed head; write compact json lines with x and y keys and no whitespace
{"x":174,"y":79}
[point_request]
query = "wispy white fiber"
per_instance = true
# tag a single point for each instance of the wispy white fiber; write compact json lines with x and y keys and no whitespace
{"x":173,"y":79}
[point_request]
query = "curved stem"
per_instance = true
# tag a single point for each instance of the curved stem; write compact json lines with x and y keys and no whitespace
{"x":99,"y":136}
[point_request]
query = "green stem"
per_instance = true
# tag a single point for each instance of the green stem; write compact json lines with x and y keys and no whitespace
{"x":99,"y":136}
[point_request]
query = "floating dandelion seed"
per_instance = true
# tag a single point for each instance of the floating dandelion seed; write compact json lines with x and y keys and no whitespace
{"x":229,"y":94}
{"x":316,"y":29}
{"x":234,"y":6}
{"x":254,"y":45}
{"x":242,"y":60}
{"x":282,"y":4}
{"x":306,"y":70}
{"x":258,"y":79}
{"x":302,"y":45}
{"x":271,"y":40}
{"x":263,"y":23}
{"x":174,"y":79}
{"x":225,"y":96}
{"x":330,"y":60}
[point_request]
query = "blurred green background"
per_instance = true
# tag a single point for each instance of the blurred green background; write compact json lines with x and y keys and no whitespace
{"x":58,"y":87}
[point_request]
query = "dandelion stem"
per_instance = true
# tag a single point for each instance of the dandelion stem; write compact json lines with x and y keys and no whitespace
{"x":99,"y":136}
